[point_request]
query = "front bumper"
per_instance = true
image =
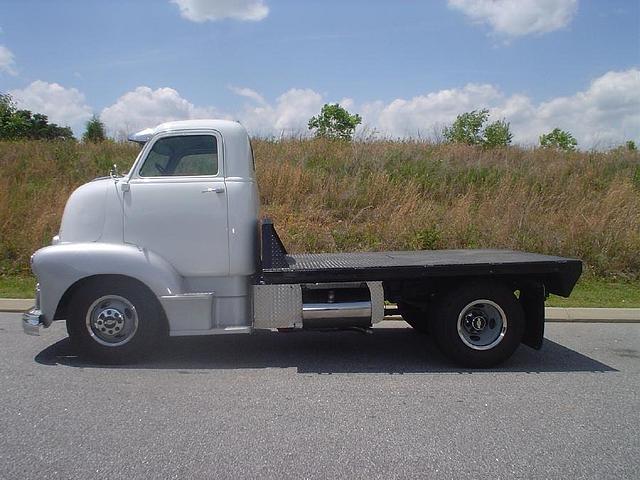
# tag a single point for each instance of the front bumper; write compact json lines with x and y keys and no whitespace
{"x":32,"y":321}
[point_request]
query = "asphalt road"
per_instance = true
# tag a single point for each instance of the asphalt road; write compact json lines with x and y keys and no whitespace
{"x":322,"y":405}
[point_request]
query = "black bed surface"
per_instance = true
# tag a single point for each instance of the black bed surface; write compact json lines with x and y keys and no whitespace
{"x":424,"y":258}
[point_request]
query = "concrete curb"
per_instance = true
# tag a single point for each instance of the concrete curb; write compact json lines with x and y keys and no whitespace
{"x":13,"y":305}
{"x":552,"y":314}
{"x":582,"y":315}
{"x":593,"y":315}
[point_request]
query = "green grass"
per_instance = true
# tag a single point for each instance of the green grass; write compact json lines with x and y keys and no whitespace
{"x":374,"y":195}
{"x":17,"y":287}
{"x":597,"y":292}
{"x":590,"y":292}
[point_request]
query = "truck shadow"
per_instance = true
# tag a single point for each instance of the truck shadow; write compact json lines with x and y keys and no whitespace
{"x":387,"y":350}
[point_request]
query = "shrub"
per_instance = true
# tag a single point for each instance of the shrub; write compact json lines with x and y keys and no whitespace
{"x":469,"y":129}
{"x":334,"y":122}
{"x":95,"y":131}
{"x":497,"y":134}
{"x":558,"y":139}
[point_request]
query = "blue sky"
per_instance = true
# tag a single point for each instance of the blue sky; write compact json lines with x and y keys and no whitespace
{"x":407,"y":66}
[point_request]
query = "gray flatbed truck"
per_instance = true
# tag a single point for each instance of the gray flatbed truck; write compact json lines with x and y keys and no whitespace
{"x":176,"y":247}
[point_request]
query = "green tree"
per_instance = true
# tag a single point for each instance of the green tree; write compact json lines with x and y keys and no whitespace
{"x":17,"y":124}
{"x":469,"y":128}
{"x":7,"y":105}
{"x":631,"y":146}
{"x":334,"y":122}
{"x":95,"y":131}
{"x":559,"y":139}
{"x":497,"y":134}
{"x":11,"y":125}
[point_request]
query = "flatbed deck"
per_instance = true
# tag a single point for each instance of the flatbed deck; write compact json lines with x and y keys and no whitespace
{"x":561,"y":273}
{"x":558,"y":274}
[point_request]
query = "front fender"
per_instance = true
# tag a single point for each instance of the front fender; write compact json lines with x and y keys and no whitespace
{"x":58,"y":267}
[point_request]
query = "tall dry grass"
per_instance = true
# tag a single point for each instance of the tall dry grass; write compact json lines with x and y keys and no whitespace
{"x":376,"y":195}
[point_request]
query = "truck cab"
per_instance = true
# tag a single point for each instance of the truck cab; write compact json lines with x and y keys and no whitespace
{"x":175,"y":247}
{"x":182,"y":224}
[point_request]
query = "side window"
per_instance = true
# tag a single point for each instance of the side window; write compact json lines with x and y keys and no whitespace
{"x":187,"y":155}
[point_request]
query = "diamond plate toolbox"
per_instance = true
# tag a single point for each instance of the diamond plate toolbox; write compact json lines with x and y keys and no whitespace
{"x":277,"y":306}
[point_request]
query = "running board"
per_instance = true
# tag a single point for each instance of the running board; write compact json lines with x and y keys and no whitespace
{"x":214,"y":331}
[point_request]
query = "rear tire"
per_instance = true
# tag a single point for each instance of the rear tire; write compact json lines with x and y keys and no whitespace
{"x":478,"y":325}
{"x":114,"y":320}
{"x":414,"y":316}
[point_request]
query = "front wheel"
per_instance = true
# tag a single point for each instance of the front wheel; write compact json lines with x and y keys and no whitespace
{"x":113,"y":321}
{"x":479,"y":324}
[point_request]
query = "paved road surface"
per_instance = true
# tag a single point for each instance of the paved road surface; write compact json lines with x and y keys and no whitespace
{"x":312,"y":405}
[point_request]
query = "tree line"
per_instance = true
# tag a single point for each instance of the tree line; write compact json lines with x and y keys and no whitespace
{"x":23,"y":124}
{"x":469,"y":128}
{"x":19,"y":124}
{"x":333,"y":122}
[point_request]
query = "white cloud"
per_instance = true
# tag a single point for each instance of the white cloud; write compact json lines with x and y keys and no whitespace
{"x":64,"y":106}
{"x":604,"y":115}
{"x":7,"y":61}
{"x":515,"y":18}
{"x":203,"y":10}
{"x":289,"y":115}
{"x":421,"y":115}
{"x":144,"y":107}
{"x":248,"y":93}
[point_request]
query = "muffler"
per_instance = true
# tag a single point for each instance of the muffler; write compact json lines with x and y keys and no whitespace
{"x":336,"y":306}
{"x":336,"y":315}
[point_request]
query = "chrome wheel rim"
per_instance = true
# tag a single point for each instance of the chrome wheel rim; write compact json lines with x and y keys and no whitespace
{"x":112,"y":320}
{"x":482,"y":324}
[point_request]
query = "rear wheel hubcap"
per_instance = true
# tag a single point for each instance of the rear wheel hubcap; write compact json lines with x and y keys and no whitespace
{"x":482,"y":324}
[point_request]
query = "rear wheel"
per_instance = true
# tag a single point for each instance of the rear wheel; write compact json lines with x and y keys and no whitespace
{"x":416,"y":317}
{"x":113,"y":321}
{"x":479,"y":324}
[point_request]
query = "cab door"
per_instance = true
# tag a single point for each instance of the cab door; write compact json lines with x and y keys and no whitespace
{"x":176,"y":203}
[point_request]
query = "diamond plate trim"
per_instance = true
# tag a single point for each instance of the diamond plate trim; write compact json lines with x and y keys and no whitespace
{"x":277,"y":306}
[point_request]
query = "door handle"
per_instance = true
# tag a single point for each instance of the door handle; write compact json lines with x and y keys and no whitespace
{"x":213,"y":190}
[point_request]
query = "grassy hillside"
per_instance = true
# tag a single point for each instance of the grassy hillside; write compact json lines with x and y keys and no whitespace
{"x":333,"y":196}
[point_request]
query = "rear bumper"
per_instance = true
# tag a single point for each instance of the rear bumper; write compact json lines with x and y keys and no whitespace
{"x":32,"y":321}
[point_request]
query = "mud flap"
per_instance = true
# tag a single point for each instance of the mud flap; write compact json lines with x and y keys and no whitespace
{"x":532,"y":297}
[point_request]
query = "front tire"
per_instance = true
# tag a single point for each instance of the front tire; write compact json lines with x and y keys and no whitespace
{"x":113,"y":320}
{"x":479,"y":325}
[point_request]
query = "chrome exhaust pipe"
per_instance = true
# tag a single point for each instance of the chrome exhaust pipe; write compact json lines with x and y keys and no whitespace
{"x":336,"y":310}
